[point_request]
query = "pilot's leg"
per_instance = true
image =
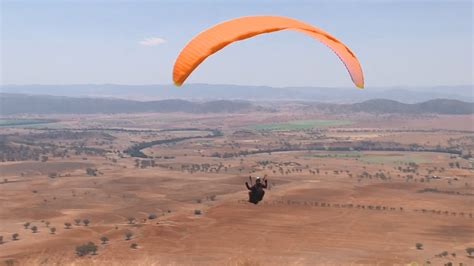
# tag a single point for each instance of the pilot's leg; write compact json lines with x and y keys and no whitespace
{"x":262,"y":193}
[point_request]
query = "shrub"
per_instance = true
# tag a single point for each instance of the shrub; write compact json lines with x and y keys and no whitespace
{"x":128,"y":235}
{"x":197,"y":212}
{"x":104,"y":240}
{"x":67,"y":225}
{"x":52,"y":175}
{"x":91,"y":172}
{"x":152,"y":216}
{"x":86,"y":222}
{"x":34,"y":229}
{"x":470,"y":250}
{"x":134,"y":245}
{"x":26,"y":225}
{"x":419,"y":246}
{"x":15,"y":236}
{"x":52,"y":230}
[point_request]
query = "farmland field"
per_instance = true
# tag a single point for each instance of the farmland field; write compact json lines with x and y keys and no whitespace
{"x":23,"y":122}
{"x":302,"y":124}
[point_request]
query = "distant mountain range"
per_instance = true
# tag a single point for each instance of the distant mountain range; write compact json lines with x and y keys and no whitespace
{"x":208,"y":92}
{"x":41,"y":104}
{"x":11,"y":104}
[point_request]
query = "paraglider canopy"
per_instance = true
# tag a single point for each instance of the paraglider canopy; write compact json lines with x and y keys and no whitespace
{"x":220,"y":35}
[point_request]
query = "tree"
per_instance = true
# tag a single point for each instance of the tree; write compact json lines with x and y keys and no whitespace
{"x":86,"y":249}
{"x":67,"y":225}
{"x":77,"y":221}
{"x":1,"y":239}
{"x":15,"y":236}
{"x":26,"y":225}
{"x":104,"y":240}
{"x":419,"y":246}
{"x":52,"y":230}
{"x":152,"y":216}
{"x":131,"y":219}
{"x":470,"y":250}
{"x":128,"y":235}
{"x":86,"y":222}
{"x":34,"y":228}
{"x":134,"y":245}
{"x":47,"y":223}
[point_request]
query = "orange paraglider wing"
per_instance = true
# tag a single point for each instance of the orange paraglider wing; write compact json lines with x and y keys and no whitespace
{"x":218,"y":36}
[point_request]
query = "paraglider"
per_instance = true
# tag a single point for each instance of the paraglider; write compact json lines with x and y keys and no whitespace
{"x":220,"y":35}
{"x":256,"y":191}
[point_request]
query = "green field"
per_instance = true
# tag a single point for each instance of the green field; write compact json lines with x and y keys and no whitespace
{"x":301,"y":124}
{"x":393,"y":158}
{"x":388,"y":158}
{"x":336,"y":155}
{"x":8,"y":122}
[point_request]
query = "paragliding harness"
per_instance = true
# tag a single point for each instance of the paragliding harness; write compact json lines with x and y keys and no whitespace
{"x":256,"y":192}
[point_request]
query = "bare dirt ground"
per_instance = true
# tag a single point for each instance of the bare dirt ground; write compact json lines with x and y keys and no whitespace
{"x":323,"y":207}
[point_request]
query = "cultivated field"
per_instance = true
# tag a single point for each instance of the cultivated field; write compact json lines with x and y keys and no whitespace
{"x":168,"y":189}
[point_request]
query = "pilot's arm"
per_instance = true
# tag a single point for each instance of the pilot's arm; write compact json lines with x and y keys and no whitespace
{"x":266,"y":184}
{"x":247,"y":185}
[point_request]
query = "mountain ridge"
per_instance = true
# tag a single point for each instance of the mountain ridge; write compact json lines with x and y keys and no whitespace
{"x":250,"y":93}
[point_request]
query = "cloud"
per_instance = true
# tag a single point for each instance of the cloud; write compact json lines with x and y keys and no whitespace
{"x":152,"y":41}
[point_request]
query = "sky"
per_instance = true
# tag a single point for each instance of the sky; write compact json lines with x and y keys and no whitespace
{"x":399,"y":43}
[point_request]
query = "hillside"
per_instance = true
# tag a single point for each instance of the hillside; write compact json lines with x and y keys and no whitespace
{"x":436,"y":106}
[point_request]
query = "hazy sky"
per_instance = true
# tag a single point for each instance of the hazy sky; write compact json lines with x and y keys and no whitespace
{"x":136,"y":42}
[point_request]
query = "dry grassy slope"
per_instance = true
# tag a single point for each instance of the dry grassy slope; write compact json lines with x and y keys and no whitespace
{"x":286,"y":229}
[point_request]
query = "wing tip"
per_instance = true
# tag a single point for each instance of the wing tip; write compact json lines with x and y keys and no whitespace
{"x":177,"y":83}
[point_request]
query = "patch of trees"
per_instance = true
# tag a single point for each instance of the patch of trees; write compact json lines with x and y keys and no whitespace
{"x":448,"y":192}
{"x":14,"y":148}
{"x":359,"y":206}
{"x":205,"y":167}
{"x":145,"y":163}
{"x":342,"y":146}
{"x":454,"y":165}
